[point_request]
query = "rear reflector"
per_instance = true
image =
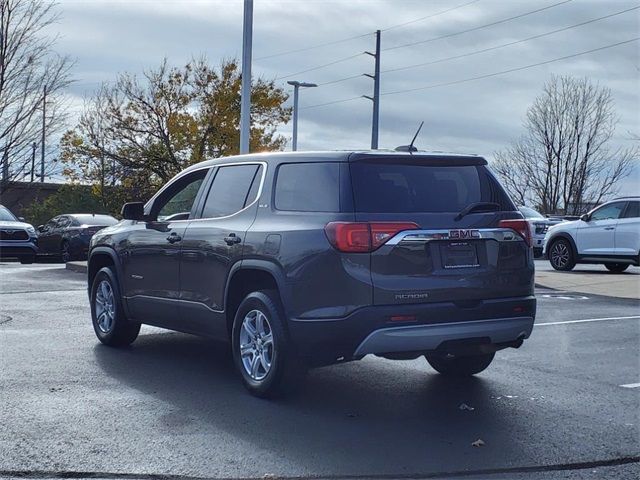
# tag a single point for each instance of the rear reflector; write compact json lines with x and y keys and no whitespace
{"x":362,"y":237}
{"x":521,"y":227}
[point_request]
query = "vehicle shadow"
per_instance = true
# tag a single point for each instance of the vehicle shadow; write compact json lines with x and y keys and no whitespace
{"x":368,"y":417}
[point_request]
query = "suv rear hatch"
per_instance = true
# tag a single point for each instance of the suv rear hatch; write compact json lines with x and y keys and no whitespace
{"x":446,"y":257}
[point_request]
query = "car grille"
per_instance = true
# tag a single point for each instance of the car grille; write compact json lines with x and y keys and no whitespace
{"x":13,"y":235}
{"x":541,"y":228}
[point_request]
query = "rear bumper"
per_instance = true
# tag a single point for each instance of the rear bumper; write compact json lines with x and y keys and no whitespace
{"x":371,"y":330}
{"x":424,"y":338}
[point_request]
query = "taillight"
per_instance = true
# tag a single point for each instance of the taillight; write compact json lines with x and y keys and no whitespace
{"x":521,"y":227}
{"x":361,"y":237}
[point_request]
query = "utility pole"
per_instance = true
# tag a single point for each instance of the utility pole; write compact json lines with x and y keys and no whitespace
{"x":296,"y":85}
{"x":44,"y":122}
{"x":33,"y":160}
{"x":376,"y":93}
{"x":245,"y":96}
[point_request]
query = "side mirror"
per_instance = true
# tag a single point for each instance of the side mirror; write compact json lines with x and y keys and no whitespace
{"x":21,"y":219}
{"x":133,"y":211}
{"x":585,"y":217}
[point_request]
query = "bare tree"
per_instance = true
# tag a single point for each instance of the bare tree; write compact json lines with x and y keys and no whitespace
{"x":564,"y":159}
{"x":30,"y":70}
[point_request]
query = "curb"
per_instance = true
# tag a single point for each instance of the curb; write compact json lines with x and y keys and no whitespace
{"x":79,"y":267}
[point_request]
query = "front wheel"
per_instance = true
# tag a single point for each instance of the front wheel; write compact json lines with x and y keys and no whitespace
{"x":27,"y":259}
{"x":616,"y":267}
{"x":109,"y":322}
{"x":561,"y":255}
{"x":262,"y":351}
{"x":463,"y":366}
{"x":65,"y":252}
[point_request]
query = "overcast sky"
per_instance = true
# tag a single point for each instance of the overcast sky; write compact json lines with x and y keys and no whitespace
{"x":477,"y":116}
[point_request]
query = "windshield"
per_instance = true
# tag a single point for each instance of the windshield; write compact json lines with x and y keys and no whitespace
{"x":530,"y":213}
{"x":6,"y":215}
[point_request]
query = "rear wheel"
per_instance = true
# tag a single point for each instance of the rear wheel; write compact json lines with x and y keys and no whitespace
{"x":616,"y":267}
{"x":109,"y":322}
{"x":262,"y":351}
{"x":463,"y":366}
{"x":561,"y":255}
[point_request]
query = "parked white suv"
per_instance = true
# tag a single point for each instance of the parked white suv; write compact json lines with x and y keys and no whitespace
{"x":609,"y":234}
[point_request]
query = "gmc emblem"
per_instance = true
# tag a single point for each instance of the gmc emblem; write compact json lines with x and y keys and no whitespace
{"x":464,"y":234}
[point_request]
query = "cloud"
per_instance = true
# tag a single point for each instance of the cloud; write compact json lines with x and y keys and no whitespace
{"x":482,"y":116}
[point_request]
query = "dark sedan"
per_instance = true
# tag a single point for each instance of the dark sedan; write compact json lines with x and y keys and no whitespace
{"x":67,"y":236}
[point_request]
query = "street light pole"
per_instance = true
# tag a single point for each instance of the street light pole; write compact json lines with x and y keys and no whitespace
{"x":296,"y":85}
{"x":245,"y":96}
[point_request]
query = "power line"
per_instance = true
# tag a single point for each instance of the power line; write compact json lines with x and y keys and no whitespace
{"x":504,"y":20}
{"x":331,"y":103}
{"x":479,"y":77}
{"x":344,"y":79}
{"x":476,"y":52}
{"x":313,"y":47}
{"x":355,"y":37}
{"x":344,"y":59}
{"x":428,"y":16}
{"x":511,"y":70}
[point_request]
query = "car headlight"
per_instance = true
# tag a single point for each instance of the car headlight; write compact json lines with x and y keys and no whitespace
{"x":31,"y":231}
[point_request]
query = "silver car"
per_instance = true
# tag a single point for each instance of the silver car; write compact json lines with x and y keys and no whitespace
{"x":17,"y":238}
{"x":539,"y":224}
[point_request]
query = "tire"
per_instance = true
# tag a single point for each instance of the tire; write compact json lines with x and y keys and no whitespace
{"x":261,"y":348}
{"x":27,"y":260}
{"x":616,"y":267}
{"x":109,"y":321}
{"x":65,"y":252}
{"x":561,"y":255}
{"x":463,"y":366}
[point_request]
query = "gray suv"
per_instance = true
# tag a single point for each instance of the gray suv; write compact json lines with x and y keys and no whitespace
{"x":309,"y":259}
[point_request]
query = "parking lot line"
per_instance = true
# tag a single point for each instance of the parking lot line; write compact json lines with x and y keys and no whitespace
{"x":586,"y":320}
{"x":631,"y":385}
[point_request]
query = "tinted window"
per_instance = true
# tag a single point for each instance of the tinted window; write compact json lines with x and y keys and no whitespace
{"x":229,"y":190}
{"x":180,"y":196}
{"x":608,"y":212}
{"x":308,"y":187}
{"x":395,"y":187}
{"x":255,"y":186}
{"x":94,"y":220}
{"x":63,"y":222}
{"x":632,"y":211}
{"x":6,"y":215}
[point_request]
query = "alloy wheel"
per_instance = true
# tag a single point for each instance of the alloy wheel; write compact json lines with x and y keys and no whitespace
{"x":560,"y":254}
{"x":105,"y":307}
{"x":256,"y":345}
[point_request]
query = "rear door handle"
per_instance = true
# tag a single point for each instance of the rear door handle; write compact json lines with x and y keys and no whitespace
{"x":232,"y":239}
{"x":173,"y":238}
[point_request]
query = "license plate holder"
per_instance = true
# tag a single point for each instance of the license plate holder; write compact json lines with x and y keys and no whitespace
{"x":459,"y":255}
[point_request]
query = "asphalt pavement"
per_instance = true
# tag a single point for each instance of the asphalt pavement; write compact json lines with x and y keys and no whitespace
{"x":564,"y":405}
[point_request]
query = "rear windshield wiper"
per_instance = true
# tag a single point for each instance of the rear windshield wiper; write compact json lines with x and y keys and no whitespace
{"x":478,"y":207}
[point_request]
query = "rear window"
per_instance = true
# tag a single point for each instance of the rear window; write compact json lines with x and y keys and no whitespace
{"x":395,"y":187}
{"x":94,"y":220}
{"x":308,"y":187}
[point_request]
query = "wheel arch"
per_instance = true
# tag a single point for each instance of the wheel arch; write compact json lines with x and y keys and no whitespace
{"x":248,"y":276}
{"x":567,"y":237}
{"x":100,"y":257}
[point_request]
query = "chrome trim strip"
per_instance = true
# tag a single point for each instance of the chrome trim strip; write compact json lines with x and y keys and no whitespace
{"x":165,"y":299}
{"x":499,"y":234}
